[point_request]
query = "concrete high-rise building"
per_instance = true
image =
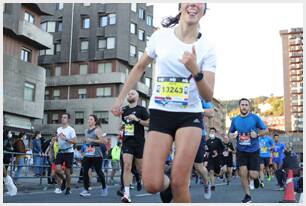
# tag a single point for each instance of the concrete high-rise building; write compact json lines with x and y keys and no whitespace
{"x":94,"y":48}
{"x":23,"y":79}
{"x":292,"y":41}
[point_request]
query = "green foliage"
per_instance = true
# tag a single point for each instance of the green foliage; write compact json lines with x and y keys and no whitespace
{"x":277,"y":106}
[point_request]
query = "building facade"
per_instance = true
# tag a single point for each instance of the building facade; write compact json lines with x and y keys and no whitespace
{"x":94,"y":48}
{"x":217,"y":120}
{"x":292,"y":41}
{"x":23,"y":79}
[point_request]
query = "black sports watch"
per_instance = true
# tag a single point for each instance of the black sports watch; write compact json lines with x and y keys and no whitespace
{"x":198,"y":77}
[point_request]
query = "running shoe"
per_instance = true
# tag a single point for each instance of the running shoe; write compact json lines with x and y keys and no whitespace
{"x":269,"y":178}
{"x":63,"y":186}
{"x":104,"y":192}
{"x":139,"y":186}
{"x":213,"y":188}
{"x":247,"y":199}
{"x":251,"y":184}
{"x":256,"y":183}
{"x":68,"y":191}
{"x":166,"y":195}
{"x":126,"y":198}
{"x":261,"y":184}
{"x":57,"y":191}
{"x":207,"y":192}
{"x":85,"y":193}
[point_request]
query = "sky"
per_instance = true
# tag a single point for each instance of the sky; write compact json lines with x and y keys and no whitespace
{"x":247,"y":42}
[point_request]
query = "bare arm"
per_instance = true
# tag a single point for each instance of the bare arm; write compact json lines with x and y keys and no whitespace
{"x":206,"y":85}
{"x":133,"y":77}
{"x":208,"y":112}
{"x":101,"y":139}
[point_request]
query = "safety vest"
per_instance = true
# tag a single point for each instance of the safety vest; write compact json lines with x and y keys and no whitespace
{"x":116,"y":153}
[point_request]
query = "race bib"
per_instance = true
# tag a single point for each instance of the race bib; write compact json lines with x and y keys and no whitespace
{"x":225,"y":153}
{"x":244,"y":139}
{"x":263,"y":150}
{"x":90,"y":150}
{"x":172,"y":90}
{"x":129,"y":129}
{"x":275,"y":154}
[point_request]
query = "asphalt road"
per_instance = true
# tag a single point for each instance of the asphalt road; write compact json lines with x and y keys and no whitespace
{"x":224,"y":194}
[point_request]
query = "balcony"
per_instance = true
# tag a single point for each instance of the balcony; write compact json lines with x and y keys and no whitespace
{"x":296,"y":78}
{"x":89,"y":79}
{"x":141,"y":87}
{"x":296,"y":72}
{"x":42,"y":39}
{"x":296,"y":66}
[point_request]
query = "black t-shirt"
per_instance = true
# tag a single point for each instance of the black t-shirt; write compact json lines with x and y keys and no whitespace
{"x":215,"y":144}
{"x":227,"y":146}
{"x":134,"y":131}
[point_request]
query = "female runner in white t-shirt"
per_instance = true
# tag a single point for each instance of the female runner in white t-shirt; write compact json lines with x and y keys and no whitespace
{"x":185,"y":71}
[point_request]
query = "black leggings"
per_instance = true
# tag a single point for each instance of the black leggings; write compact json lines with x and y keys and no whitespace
{"x":134,"y":171}
{"x":96,"y":162}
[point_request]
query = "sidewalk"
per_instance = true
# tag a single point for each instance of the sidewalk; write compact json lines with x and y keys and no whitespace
{"x":28,"y":185}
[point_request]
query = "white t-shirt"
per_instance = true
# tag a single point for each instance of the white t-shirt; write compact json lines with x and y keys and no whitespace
{"x":63,"y":145}
{"x":167,"y":49}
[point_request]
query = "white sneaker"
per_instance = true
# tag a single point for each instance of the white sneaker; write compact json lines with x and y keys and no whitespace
{"x":89,"y":188}
{"x":207,"y":192}
{"x":11,"y":187}
{"x":85,"y":193}
{"x":126,"y":199}
{"x":57,"y":191}
{"x":251,"y":184}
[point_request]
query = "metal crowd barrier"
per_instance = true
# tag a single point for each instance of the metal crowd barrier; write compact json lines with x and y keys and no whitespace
{"x":13,"y":165}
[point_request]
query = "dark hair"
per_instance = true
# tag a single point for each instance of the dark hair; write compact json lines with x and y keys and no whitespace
{"x":66,"y":113}
{"x":96,"y":119}
{"x":212,"y":128}
{"x":21,"y":134}
{"x":172,"y":21}
{"x":275,"y":134}
{"x":36,"y":133}
{"x":244,"y":99}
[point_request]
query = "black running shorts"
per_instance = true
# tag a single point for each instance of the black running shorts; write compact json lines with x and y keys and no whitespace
{"x":64,"y":157}
{"x":265,"y":161}
{"x":249,"y":159}
{"x":170,"y":122}
{"x":133,"y":148}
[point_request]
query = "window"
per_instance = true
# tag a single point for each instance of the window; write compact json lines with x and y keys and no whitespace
{"x":149,"y":20}
{"x":132,"y":51}
{"x":102,"y":116}
{"x":104,"y":68}
{"x":140,"y":53}
{"x":82,"y":93}
{"x":50,"y":51}
{"x":141,"y":13}
{"x":58,"y":71}
{"x":56,"y":94}
{"x":47,"y":95}
{"x":45,"y":119}
{"x":57,"y":48}
{"x":134,"y":7}
{"x":48,"y":72}
{"x":112,"y":19}
{"x":148,"y":38}
{"x":148,"y":82}
{"x":101,"y":43}
{"x":103,"y":21}
{"x":42,"y":52}
{"x":59,"y":26}
{"x":79,"y":117}
{"x":104,"y":92}
{"x":55,"y":119}
{"x":133,"y":28}
{"x":29,"y":91}
{"x":25,"y":55}
{"x":143,"y":103}
{"x":141,"y":34}
{"x":48,"y":26}
{"x":86,"y":4}
{"x":60,"y":6}
{"x":84,"y":45}
{"x":110,"y":44}
{"x":83,"y":69}
{"x":29,"y":17}
{"x":85,"y":22}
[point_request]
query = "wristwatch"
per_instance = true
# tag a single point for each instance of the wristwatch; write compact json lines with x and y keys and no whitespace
{"x":198,"y":77}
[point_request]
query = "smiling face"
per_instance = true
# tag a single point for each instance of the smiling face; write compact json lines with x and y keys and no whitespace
{"x":132,"y":96}
{"x":192,"y":13}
